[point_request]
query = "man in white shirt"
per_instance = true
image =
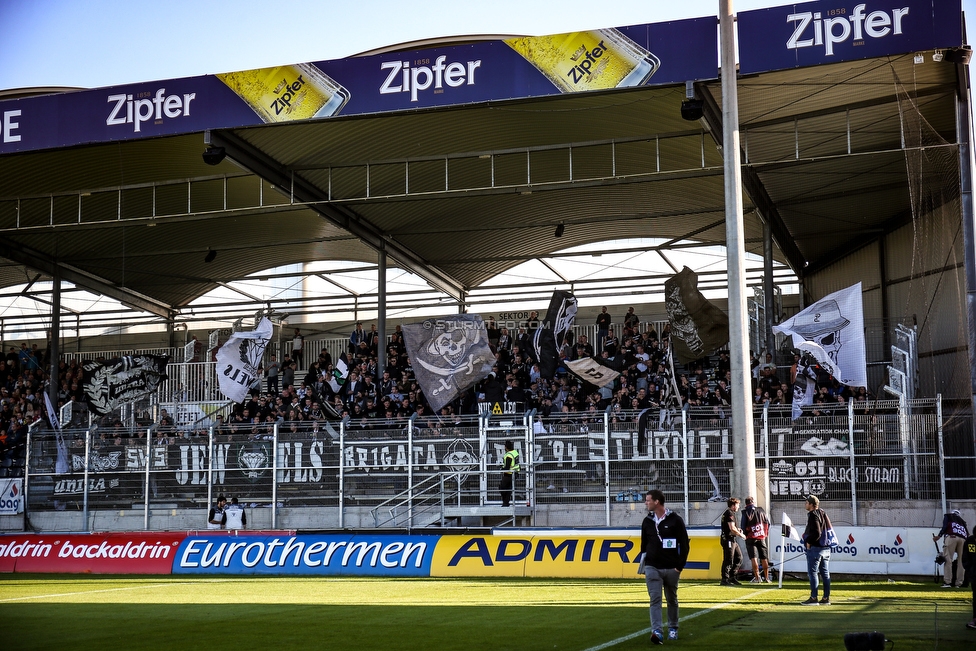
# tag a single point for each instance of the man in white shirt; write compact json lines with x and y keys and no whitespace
{"x":235,"y":516}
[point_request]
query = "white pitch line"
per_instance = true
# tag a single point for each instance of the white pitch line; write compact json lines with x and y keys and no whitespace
{"x":72,"y":594}
{"x":607,"y":645}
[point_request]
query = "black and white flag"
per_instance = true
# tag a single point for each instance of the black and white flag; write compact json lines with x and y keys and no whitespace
{"x":550,"y":335}
{"x":122,"y":380}
{"x":832,"y":330}
{"x":61,"y":464}
{"x":804,"y":388}
{"x":239,"y":359}
{"x":698,"y":328}
{"x":587,"y":368}
{"x":449,"y":355}
{"x":670,"y":396}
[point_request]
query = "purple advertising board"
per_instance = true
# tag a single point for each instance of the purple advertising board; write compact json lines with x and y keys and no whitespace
{"x":450,"y":75}
{"x":813,"y":33}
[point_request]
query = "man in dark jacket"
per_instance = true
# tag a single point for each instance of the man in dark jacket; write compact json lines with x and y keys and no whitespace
{"x":817,"y":542}
{"x":665,"y":546}
{"x":731,"y":553}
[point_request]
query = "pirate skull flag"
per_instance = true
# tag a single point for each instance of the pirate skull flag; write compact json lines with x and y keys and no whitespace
{"x":122,"y":380}
{"x":449,"y":354}
{"x":832,"y":330}
{"x":239,"y":359}
{"x":697,"y":326}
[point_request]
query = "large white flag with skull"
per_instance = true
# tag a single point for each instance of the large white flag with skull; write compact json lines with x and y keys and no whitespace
{"x":449,"y":354}
{"x":239,"y":359}
{"x":832,"y":330}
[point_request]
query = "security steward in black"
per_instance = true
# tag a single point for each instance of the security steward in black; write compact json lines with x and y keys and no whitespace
{"x":731,"y":553}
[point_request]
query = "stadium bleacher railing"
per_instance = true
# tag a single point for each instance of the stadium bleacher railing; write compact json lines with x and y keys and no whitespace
{"x":868,"y":460}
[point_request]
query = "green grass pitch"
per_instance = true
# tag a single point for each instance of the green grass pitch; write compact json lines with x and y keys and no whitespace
{"x":174,"y":612}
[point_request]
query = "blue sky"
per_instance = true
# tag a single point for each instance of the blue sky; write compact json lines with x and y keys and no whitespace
{"x":91,"y":43}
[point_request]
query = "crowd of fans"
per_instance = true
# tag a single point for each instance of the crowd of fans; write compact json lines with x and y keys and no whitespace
{"x":376,"y":398}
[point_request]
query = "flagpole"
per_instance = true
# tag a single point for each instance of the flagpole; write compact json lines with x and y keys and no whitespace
{"x":782,"y":557}
{"x":743,"y":444}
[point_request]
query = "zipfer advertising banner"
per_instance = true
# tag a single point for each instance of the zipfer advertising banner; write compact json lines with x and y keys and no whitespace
{"x":593,"y":553}
{"x":812,"y":33}
{"x":537,"y":66}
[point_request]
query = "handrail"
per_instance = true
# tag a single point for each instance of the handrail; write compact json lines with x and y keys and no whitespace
{"x":410,"y":497}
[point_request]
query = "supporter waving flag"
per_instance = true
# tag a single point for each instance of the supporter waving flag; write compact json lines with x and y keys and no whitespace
{"x":239,"y":359}
{"x":449,"y":355}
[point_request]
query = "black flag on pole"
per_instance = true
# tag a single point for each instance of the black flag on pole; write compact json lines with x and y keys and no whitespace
{"x":550,"y":335}
{"x":698,"y":328}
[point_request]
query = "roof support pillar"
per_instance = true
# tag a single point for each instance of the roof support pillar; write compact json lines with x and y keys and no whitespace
{"x":964,"y":129}
{"x":769,"y":296}
{"x":743,"y":443}
{"x":380,"y":314}
{"x":53,"y":349}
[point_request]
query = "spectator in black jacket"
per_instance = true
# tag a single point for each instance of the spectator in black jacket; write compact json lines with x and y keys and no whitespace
{"x":665,"y":546}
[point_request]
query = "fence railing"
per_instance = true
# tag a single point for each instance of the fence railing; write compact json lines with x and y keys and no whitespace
{"x":867,"y":457}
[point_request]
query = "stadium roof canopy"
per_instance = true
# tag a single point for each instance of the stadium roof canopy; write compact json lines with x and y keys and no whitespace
{"x":116,"y":195}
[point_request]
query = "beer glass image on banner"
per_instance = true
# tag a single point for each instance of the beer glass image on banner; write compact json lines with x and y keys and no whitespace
{"x":285,"y":93}
{"x":595,"y":60}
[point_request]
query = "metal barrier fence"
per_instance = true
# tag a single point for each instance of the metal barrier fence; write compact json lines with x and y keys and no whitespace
{"x":871,"y":456}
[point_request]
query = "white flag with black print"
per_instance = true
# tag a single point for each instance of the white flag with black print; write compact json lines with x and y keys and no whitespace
{"x":789,"y":531}
{"x":832,"y":330}
{"x":239,"y":359}
{"x":449,"y":355}
{"x":592,"y":371}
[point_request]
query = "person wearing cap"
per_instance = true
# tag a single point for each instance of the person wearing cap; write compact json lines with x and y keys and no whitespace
{"x":816,"y":538}
{"x":954,"y":531}
{"x":217,"y":517}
